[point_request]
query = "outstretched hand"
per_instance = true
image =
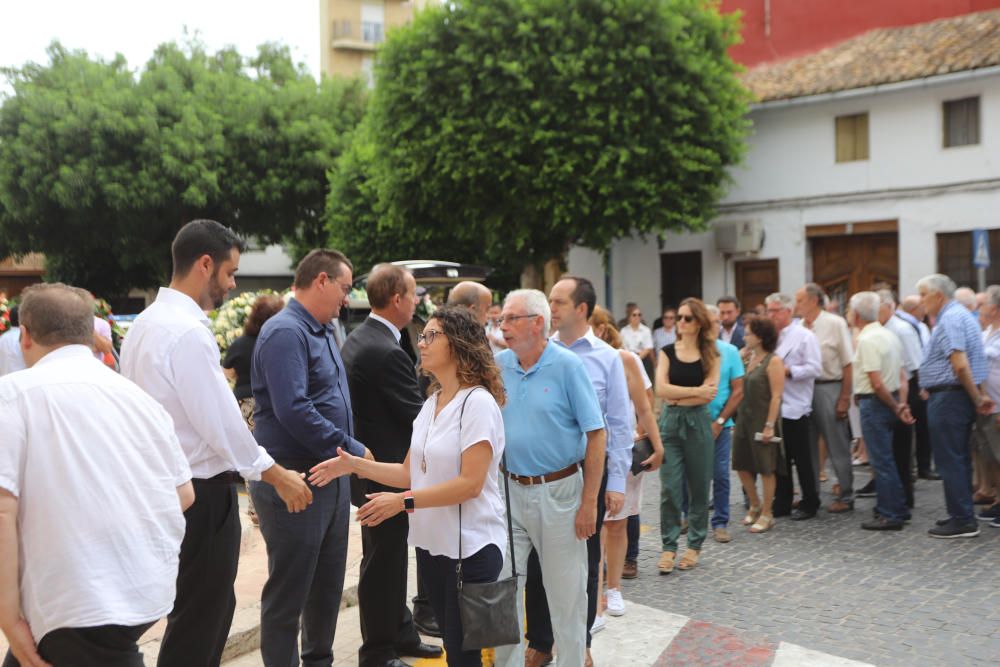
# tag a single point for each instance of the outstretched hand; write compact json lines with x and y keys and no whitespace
{"x":323,"y":473}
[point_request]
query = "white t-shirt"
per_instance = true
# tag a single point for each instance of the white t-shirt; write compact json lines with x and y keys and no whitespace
{"x":11,"y":359}
{"x":484,"y":518}
{"x":95,"y":465}
{"x":637,"y":340}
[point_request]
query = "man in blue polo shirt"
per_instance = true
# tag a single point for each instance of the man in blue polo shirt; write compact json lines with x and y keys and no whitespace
{"x":952,"y":369}
{"x":552,"y":421}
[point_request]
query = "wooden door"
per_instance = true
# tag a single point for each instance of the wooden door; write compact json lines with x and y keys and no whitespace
{"x":680,"y":277}
{"x":755,"y":279}
{"x":846,"y":265}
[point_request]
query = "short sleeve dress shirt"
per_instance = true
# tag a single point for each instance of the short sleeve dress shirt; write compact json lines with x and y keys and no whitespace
{"x":957,"y":330}
{"x":835,"y":348}
{"x":879,"y":349}
{"x":442,"y":440}
{"x":95,"y":464}
{"x":662,"y":338}
{"x":549,"y":410}
{"x":171,"y":354}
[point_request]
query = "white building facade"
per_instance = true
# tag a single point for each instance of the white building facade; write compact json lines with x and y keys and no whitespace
{"x":835,"y":206}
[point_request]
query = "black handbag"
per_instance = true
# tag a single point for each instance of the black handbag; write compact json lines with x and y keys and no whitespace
{"x":488,"y":610}
{"x":642,"y":449}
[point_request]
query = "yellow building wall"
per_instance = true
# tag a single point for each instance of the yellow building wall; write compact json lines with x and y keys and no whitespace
{"x":346,"y":59}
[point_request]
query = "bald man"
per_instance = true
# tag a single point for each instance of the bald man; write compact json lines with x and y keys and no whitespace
{"x":474,"y":296}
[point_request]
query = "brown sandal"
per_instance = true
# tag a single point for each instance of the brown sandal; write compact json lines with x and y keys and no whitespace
{"x":688,"y":560}
{"x":666,"y":564}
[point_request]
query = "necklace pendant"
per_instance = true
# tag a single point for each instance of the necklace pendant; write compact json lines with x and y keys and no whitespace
{"x":423,"y":465}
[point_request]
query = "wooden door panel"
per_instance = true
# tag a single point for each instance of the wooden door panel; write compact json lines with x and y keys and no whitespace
{"x":845,"y":265}
{"x":755,"y":279}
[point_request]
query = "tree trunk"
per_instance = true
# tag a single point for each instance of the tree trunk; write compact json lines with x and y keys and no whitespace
{"x":531,"y":277}
{"x":542,"y":277}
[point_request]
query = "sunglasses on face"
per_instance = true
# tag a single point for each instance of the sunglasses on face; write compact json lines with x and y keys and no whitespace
{"x":636,"y":314}
{"x":687,"y":318}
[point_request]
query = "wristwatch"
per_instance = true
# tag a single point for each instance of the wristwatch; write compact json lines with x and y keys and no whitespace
{"x":720,"y":421}
{"x":408,"y":503}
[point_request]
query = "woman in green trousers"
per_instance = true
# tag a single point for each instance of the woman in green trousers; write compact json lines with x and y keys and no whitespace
{"x":687,"y":378}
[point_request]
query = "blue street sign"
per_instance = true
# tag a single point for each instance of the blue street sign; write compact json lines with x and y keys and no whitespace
{"x":980,"y":249}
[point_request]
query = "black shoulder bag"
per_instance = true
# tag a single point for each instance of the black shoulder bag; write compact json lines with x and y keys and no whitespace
{"x":488,"y":610}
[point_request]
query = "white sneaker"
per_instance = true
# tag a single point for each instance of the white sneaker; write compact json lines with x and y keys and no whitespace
{"x":616,"y":605}
{"x":598,"y":625}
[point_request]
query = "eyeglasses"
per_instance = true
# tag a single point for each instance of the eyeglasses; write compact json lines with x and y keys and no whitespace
{"x":509,"y":319}
{"x":687,"y":318}
{"x":428,"y":336}
{"x":636,"y":315}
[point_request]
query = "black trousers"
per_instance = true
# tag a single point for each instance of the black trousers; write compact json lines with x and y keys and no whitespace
{"x":198,"y":625}
{"x":99,"y":646}
{"x":442,"y":589}
{"x":632,"y":528}
{"x":902,"y":453}
{"x":536,"y":604}
{"x":918,"y":408}
{"x":798,"y":454}
{"x":386,"y":622}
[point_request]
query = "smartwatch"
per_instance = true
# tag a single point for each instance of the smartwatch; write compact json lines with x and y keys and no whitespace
{"x":408,"y":503}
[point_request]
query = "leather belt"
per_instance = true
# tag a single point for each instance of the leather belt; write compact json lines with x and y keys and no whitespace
{"x":838,"y":380}
{"x":945,"y":387}
{"x":228,"y":477}
{"x":528,"y":480}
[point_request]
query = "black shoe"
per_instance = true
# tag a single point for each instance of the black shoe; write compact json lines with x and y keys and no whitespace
{"x":421,"y":650}
{"x":941,"y":522}
{"x":952,"y":529}
{"x":396,"y":662}
{"x":801,"y":515}
{"x":426,"y":625}
{"x":929,"y":475}
{"x":867,"y":491}
{"x":881,"y":523}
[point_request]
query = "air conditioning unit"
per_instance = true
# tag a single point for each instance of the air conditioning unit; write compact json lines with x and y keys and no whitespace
{"x":739,"y":237}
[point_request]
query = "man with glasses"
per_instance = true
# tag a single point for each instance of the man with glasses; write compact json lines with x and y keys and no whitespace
{"x":666,"y":334}
{"x":553,"y":421}
{"x":302,"y":415}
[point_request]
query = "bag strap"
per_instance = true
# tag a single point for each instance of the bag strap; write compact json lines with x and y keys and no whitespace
{"x":506,"y":490}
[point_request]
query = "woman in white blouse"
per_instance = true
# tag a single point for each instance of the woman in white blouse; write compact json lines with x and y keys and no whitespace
{"x":457,"y":443}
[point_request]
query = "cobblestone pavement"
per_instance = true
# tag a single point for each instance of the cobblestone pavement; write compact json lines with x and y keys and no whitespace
{"x":895,"y":598}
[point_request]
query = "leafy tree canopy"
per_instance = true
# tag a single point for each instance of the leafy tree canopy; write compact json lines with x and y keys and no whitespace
{"x":100,"y":167}
{"x":524,"y":126}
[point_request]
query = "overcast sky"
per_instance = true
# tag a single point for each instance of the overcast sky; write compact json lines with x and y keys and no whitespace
{"x":135,"y":28}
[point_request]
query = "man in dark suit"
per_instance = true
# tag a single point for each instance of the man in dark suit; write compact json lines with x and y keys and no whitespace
{"x":385,"y":401}
{"x":731,"y":330}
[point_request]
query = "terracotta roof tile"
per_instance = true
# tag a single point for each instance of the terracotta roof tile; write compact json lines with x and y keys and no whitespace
{"x":884,"y":56}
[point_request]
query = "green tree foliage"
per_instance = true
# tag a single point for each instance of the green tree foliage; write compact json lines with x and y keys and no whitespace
{"x":525,"y":126}
{"x":99,"y":167}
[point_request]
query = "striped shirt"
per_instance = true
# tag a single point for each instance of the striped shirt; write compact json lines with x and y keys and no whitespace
{"x":956,"y":331}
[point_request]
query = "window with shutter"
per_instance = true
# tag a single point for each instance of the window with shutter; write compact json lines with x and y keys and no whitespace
{"x":852,"y":137}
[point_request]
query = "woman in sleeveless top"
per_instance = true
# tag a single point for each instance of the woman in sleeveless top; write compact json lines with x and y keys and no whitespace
{"x":687,"y":378}
{"x":758,"y":413}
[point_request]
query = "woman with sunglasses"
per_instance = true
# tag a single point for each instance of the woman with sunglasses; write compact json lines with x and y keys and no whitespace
{"x":636,"y":337}
{"x":458,"y":439}
{"x":687,"y":378}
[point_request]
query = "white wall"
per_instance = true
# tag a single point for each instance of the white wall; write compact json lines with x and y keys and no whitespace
{"x":791,"y":155}
{"x":273,"y":261}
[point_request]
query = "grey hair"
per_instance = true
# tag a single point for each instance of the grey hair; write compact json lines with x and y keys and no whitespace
{"x":712,"y":310}
{"x":866,"y":305}
{"x":938,"y":282}
{"x":965,"y":296}
{"x":886,"y":297}
{"x":57,"y":314}
{"x":782,"y":298}
{"x":814,"y":290}
{"x":535,"y":302}
{"x":993,"y":295}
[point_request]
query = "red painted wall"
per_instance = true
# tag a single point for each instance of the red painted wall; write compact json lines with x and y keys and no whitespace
{"x":802,"y":26}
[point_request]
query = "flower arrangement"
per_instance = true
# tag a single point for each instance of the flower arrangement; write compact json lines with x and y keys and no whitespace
{"x":228,"y":320}
{"x":4,"y":315}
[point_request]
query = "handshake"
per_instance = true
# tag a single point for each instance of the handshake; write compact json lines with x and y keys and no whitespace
{"x":344,"y":463}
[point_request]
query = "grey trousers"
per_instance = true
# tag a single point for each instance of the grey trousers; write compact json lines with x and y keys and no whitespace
{"x":836,"y":433}
{"x":544,"y":518}
{"x":306,"y":559}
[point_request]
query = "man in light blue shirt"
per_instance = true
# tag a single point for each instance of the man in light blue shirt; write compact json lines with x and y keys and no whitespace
{"x":552,"y":421}
{"x":952,"y":369}
{"x":572,"y":301}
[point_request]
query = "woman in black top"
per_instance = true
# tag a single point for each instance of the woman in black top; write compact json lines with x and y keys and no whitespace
{"x":236,"y":364}
{"x":687,"y":378}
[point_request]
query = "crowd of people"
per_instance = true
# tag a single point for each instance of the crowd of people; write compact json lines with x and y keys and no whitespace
{"x":518,"y":443}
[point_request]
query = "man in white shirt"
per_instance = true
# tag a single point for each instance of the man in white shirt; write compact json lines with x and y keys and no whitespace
{"x":799,"y":350}
{"x":493,"y":333}
{"x":93,"y":483}
{"x":11,"y":359}
{"x":912,"y":355}
{"x":912,"y":311}
{"x":171,"y":353}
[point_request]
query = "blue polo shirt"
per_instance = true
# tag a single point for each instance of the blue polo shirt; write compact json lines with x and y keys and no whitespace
{"x":550,"y":408}
{"x":957,"y":330}
{"x":730,"y":368}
